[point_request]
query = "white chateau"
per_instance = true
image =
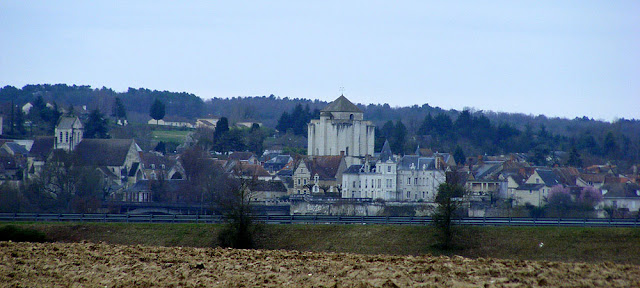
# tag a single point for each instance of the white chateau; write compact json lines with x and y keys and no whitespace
{"x":341,"y":130}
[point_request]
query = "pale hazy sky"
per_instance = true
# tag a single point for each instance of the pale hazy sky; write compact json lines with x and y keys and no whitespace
{"x":558,"y":58}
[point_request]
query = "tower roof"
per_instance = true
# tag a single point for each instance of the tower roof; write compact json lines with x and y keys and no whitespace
{"x":385,"y":153}
{"x":342,"y":104}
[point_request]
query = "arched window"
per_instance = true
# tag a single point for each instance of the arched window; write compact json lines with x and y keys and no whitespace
{"x":350,"y":116}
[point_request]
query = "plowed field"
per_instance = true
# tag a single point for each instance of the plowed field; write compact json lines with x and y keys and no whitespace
{"x":104,"y":265}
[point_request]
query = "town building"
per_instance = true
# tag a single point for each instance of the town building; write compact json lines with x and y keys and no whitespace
{"x":341,"y":130}
{"x":69,"y":132}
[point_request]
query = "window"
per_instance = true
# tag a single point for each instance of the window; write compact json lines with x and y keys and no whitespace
{"x":389,"y":169}
{"x":66,"y":136}
{"x":350,"y":116}
{"x":379,"y":183}
{"x":298,"y":184}
{"x":408,"y":194}
{"x":305,"y":181}
{"x":60,"y":139}
{"x":347,"y":151}
{"x":354,"y":184}
{"x":415,"y":181}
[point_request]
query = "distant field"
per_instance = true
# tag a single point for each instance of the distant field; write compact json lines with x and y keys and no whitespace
{"x":175,"y":136}
{"x":565,"y":244}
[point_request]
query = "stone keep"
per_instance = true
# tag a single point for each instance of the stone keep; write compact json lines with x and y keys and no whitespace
{"x":341,"y":130}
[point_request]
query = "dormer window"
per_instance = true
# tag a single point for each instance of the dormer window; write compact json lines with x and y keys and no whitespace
{"x":350,"y":116}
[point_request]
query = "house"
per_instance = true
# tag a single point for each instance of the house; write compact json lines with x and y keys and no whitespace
{"x":14,"y":149}
{"x":209,"y":123}
{"x":419,"y":178}
{"x":143,"y":191}
{"x":341,"y":130}
{"x":39,"y":153}
{"x":244,"y":157}
{"x":267,"y":191}
{"x":621,"y":196}
{"x":119,"y":157}
{"x":373,"y":179}
{"x":243,"y":170}
{"x":172,"y":121}
{"x":276,"y":163}
{"x":536,"y":188}
{"x":247,"y":124}
{"x":69,"y":132}
{"x":319,"y":174}
{"x":156,"y":166}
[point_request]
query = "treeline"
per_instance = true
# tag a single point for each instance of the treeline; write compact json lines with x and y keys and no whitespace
{"x":136,"y":101}
{"x":473,"y":132}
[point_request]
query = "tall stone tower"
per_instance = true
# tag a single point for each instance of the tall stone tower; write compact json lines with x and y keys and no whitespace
{"x":69,"y":132}
{"x":341,"y":130}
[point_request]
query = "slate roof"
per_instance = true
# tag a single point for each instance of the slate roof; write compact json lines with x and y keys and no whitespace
{"x":16,"y":148}
{"x":353,"y":169}
{"x":66,"y":122}
{"x":342,"y":104}
{"x":254,"y":170}
{"x":385,"y":153}
{"x":417,"y":161}
{"x":42,"y":147}
{"x":621,"y":190}
{"x":529,"y":187}
{"x":104,"y":152}
{"x":158,"y":160}
{"x":548,"y":177}
{"x":241,"y":156}
{"x":325,"y":166}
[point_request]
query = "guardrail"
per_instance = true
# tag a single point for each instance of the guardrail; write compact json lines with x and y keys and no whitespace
{"x":317,"y":219}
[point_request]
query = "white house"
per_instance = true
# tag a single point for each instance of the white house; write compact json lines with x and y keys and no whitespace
{"x":372,"y":180}
{"x":419,"y":178}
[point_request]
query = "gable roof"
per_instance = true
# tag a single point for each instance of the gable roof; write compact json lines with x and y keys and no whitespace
{"x":342,"y":104}
{"x":14,"y":148}
{"x":325,"y":166}
{"x":104,"y":152}
{"x":548,"y":177}
{"x":241,"y":156}
{"x":66,"y":122}
{"x":41,"y":147}
{"x":621,"y":190}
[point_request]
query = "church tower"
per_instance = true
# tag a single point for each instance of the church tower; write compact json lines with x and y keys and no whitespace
{"x":341,"y":130}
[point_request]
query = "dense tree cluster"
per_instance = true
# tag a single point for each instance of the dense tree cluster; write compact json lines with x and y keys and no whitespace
{"x":296,"y":121}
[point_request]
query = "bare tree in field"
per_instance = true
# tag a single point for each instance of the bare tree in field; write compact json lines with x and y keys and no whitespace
{"x":235,"y":201}
{"x":449,"y":200}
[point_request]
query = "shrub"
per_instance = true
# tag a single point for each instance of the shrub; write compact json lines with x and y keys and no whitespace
{"x":17,"y":234}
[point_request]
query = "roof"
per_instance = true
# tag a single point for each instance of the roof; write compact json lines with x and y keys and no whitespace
{"x":528,"y":187}
{"x":156,"y":159}
{"x":417,"y":162}
{"x":353,"y":169}
{"x":15,"y":148}
{"x":280,"y":159}
{"x":171,"y":185}
{"x":385,"y":153}
{"x":342,"y":104}
{"x":241,"y":156}
{"x":66,"y":122}
{"x":41,"y":147}
{"x":254,"y":170}
{"x":325,"y":166}
{"x":104,"y":152}
{"x":273,"y":186}
{"x":548,"y":177}
{"x":621,"y":190}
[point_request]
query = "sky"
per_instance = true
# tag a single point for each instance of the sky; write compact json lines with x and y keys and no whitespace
{"x":557,"y":58}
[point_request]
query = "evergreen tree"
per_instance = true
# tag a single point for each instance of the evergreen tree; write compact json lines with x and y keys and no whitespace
{"x":574,"y":158}
{"x":118,"y":109}
{"x":157,"y":110}
{"x":459,"y":156}
{"x":96,"y":126}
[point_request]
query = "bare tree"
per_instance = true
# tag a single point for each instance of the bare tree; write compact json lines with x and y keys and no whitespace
{"x":235,"y":202}
{"x":449,"y":200}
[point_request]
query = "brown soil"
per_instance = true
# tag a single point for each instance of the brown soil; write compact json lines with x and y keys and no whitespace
{"x":105,"y":265}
